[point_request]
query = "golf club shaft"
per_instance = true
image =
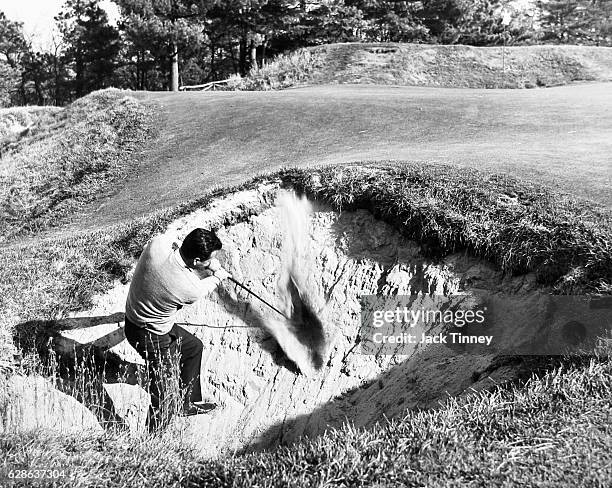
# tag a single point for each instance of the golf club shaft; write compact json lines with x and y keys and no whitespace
{"x":257,"y":296}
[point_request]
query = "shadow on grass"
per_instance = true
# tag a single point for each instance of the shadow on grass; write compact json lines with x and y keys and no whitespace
{"x":81,"y":367}
{"x":83,"y":363}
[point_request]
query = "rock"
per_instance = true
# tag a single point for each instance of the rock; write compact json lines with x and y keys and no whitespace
{"x":31,"y":402}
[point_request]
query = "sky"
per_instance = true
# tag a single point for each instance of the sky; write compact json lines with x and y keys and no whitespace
{"x":37,"y":17}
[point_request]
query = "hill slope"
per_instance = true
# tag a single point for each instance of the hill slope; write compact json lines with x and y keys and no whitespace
{"x":436,"y":65}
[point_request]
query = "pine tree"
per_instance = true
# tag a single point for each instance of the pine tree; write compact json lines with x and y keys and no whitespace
{"x":249,"y":26}
{"x":92,"y":44}
{"x":577,"y":21}
{"x":392,"y":21}
{"x":169,"y":25}
{"x":15,"y":51}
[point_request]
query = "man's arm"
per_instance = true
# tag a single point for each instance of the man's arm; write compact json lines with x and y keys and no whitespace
{"x":208,"y":285}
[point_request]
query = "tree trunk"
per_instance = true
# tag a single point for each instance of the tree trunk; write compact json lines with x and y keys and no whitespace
{"x":243,"y":55}
{"x":231,"y":49}
{"x":39,"y":94}
{"x":174,"y":84}
{"x":79,"y":68}
{"x":138,"y":82}
{"x":212,"y":61}
{"x":253,"y":56}
{"x":56,"y":81}
{"x":22,"y":92}
{"x":263,"y":52}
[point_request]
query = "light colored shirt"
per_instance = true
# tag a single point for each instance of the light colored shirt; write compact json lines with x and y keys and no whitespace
{"x":161,"y":285}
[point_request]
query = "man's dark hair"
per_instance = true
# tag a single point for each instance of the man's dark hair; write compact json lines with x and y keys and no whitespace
{"x":200,"y":243}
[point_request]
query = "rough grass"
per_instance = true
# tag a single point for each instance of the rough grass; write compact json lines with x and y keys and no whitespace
{"x":552,"y":430}
{"x":17,"y":120}
{"x":73,"y":159}
{"x":285,"y":71}
{"x":107,"y":461}
{"x":435,"y":65}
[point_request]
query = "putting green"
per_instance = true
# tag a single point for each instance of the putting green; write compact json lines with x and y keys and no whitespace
{"x":560,"y":136}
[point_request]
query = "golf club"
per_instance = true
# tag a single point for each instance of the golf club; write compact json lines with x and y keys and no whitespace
{"x":257,"y":296}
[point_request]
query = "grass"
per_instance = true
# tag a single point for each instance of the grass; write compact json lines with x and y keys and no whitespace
{"x":76,"y":157}
{"x":559,"y":136}
{"x":434,"y":65}
{"x":552,"y":430}
{"x":111,"y":460}
{"x":16,"y":121}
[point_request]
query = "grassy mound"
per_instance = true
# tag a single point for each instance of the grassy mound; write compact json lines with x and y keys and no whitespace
{"x":435,"y":65}
{"x":17,"y":122}
{"x":67,"y":157}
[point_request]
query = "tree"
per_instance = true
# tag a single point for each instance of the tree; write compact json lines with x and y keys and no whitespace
{"x":391,"y":21}
{"x":46,"y":77}
{"x":442,"y":19}
{"x":492,"y":22}
{"x":92,"y":44}
{"x":12,"y":41}
{"x":474,"y":22}
{"x":248,"y":25}
{"x":577,"y":21}
{"x":171,"y":24}
{"x":332,"y":21}
{"x":13,"y":47}
{"x":9,"y":82}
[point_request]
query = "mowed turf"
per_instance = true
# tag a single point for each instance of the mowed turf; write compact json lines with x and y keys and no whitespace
{"x":560,"y":136}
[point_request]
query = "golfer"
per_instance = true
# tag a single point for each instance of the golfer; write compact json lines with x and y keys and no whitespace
{"x":166,"y":278}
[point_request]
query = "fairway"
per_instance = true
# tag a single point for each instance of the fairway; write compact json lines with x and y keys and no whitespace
{"x":561,"y":136}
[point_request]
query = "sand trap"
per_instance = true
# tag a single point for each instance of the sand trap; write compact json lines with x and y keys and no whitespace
{"x":264,"y":400}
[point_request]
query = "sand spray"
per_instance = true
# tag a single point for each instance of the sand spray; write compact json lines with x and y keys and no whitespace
{"x":302,"y":335}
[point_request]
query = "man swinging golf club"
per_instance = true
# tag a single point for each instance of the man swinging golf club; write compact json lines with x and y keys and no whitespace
{"x":166,"y":278}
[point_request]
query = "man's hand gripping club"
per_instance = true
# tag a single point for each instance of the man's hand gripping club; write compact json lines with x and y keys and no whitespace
{"x":214,"y":267}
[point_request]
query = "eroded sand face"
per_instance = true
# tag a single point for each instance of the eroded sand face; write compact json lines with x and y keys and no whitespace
{"x":263,"y":400}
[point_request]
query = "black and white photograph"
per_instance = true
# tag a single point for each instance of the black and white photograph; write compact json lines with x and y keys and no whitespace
{"x":294,"y":243}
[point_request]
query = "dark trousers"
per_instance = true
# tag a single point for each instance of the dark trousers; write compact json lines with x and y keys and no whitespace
{"x":165,"y":355}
